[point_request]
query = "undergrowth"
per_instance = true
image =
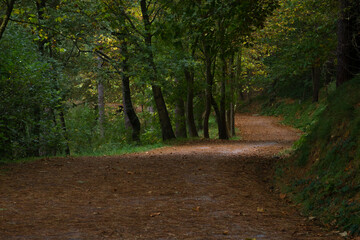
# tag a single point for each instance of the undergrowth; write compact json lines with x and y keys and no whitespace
{"x":322,"y":175}
{"x":85,"y":140}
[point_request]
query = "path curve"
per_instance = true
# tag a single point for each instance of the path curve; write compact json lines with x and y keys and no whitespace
{"x":199,"y":190}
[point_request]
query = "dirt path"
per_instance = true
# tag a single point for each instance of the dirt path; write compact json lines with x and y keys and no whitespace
{"x":201,"y":190}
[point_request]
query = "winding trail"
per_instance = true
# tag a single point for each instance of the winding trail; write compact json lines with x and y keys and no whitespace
{"x":200,"y":190}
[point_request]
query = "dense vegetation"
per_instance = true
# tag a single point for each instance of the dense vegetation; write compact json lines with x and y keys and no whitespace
{"x":312,"y":89}
{"x":321,"y":173}
{"x":94,"y":77}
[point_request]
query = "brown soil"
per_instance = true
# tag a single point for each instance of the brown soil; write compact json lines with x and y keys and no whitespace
{"x":199,"y":190}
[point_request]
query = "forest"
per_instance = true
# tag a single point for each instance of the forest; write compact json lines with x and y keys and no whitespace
{"x":103,"y":77}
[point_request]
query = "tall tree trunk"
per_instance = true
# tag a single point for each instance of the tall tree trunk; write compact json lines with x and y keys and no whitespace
{"x":316,"y":74}
{"x":129,"y":112}
{"x":223,"y":133}
{"x":35,"y":148}
{"x":209,"y":82}
{"x":220,"y":122}
{"x":180,"y":119}
{"x":127,"y":122}
{"x":232,"y":84}
{"x":238,"y":84}
{"x":101,"y":103}
{"x":6,"y":146}
{"x":232,"y":120}
{"x":189,"y":76}
{"x":348,"y":56}
{"x":200,"y":113}
{"x":165,"y":123}
{"x":40,"y":5}
{"x":101,"y":108}
{"x":64,"y":129}
{"x":5,"y":20}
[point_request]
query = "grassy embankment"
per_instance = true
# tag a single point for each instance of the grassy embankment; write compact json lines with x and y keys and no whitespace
{"x":322,"y":174}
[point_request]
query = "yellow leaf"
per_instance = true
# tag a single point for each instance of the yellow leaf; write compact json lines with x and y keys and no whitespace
{"x":260,"y":210}
{"x":196,"y":209}
{"x":155,"y":214}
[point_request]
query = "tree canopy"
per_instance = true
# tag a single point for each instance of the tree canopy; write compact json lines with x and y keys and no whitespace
{"x":81,"y":76}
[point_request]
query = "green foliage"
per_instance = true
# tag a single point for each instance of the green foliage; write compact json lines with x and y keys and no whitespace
{"x":301,"y":115}
{"x":81,"y":126}
{"x":326,"y":159}
{"x":300,"y":36}
{"x":84,"y":135}
{"x":28,"y":99}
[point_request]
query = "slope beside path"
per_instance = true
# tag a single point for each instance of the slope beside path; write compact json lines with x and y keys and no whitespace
{"x":199,"y":190}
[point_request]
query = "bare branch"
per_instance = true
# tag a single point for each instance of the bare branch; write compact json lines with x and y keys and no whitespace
{"x":149,"y":4}
{"x":155,"y":15}
{"x":132,"y":24}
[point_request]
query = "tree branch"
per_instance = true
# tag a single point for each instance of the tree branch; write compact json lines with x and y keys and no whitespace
{"x":132,"y":24}
{"x":6,"y":18}
{"x":42,"y":26}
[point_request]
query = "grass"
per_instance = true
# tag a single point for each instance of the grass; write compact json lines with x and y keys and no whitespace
{"x":322,"y":175}
{"x":19,"y":160}
{"x":120,"y":148}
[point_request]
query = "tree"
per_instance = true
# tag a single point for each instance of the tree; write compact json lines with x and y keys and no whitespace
{"x":348,"y":50}
{"x":167,"y":131}
{"x":295,"y":54}
{"x":26,"y":84}
{"x":116,"y":16}
{"x":220,"y":26}
{"x":178,"y":38}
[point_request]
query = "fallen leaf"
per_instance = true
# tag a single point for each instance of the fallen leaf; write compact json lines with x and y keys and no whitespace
{"x":282,"y":195}
{"x":348,"y":168}
{"x":196,"y":209}
{"x":260,"y":210}
{"x":343,"y":234}
{"x":155,"y":214}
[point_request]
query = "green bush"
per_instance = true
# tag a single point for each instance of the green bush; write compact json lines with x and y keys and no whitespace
{"x":28,"y":98}
{"x":85,"y":139}
{"x":82,"y":129}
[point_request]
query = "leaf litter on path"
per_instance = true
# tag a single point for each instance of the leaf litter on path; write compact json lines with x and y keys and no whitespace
{"x":191,"y":191}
